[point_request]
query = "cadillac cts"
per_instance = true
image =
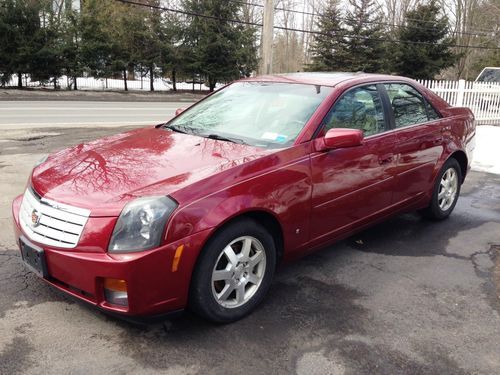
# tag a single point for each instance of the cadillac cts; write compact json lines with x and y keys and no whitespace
{"x":199,"y":211}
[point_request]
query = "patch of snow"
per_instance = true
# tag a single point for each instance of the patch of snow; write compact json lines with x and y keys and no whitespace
{"x":487,"y":152}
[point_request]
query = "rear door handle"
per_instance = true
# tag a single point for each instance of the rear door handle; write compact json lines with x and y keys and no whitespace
{"x":385,"y":159}
{"x":438,"y":141}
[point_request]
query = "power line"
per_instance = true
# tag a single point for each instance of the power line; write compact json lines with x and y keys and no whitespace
{"x":473,"y":32}
{"x":194,"y":14}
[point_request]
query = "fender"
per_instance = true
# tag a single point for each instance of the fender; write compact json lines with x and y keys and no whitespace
{"x":287,"y":198}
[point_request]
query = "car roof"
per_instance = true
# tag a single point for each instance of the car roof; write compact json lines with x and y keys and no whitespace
{"x":323,"y":78}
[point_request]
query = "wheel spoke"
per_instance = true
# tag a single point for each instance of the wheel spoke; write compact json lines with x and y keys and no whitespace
{"x":224,"y":294}
{"x":442,"y":193}
{"x":240,"y":293}
{"x":245,"y":250}
{"x":252,"y":278}
{"x":219,"y":275}
{"x":453,"y":181}
{"x":256,"y":259}
{"x":231,"y":256}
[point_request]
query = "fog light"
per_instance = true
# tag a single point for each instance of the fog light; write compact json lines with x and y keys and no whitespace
{"x":115,"y":292}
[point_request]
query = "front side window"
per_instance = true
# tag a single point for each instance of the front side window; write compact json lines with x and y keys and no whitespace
{"x":408,"y":104}
{"x":264,"y":114}
{"x":360,"y":108}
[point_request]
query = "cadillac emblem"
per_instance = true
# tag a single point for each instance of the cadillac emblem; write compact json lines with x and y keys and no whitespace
{"x":35,"y":218}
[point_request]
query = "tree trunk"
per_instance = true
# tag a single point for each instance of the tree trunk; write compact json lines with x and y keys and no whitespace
{"x":55,"y":83}
{"x":75,"y":85}
{"x":151,"y":79}
{"x":211,"y":82}
{"x":19,"y":80}
{"x":125,"y":79}
{"x":174,"y":80}
{"x":131,"y":72}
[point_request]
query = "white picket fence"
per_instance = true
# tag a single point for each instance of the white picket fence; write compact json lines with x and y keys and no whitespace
{"x":110,"y":84}
{"x":482,"y":98}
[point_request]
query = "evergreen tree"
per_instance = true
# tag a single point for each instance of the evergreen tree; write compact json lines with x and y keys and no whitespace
{"x":217,"y":48}
{"x":328,"y":47}
{"x":47,"y":61}
{"x":96,"y":43}
{"x":365,"y":46}
{"x":19,"y":25}
{"x":71,"y":50}
{"x":424,"y":25}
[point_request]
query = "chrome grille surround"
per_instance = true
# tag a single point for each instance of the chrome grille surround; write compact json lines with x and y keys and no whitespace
{"x":51,"y":223}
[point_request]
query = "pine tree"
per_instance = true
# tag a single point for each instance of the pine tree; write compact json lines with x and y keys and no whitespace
{"x":366,"y":44}
{"x":216,"y":47}
{"x":96,"y":43}
{"x":47,"y":61}
{"x":425,"y":46}
{"x":328,"y":47}
{"x":19,"y":25}
{"x":71,"y":50}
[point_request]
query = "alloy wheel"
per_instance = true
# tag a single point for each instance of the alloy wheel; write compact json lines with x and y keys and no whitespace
{"x":448,"y":188}
{"x":238,"y":272}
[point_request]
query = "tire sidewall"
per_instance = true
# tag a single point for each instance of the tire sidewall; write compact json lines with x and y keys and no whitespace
{"x":201,"y":297}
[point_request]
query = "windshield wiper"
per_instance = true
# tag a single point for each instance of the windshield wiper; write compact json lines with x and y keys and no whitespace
{"x":226,"y":139}
{"x":174,"y":128}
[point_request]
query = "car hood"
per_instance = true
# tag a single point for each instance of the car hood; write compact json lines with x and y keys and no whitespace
{"x":105,"y":174}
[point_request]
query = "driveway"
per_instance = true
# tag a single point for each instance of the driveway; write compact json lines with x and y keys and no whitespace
{"x":406,"y":296}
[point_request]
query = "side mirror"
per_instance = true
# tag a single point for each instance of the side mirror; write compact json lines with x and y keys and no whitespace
{"x":340,"y":138}
{"x":178,"y":111}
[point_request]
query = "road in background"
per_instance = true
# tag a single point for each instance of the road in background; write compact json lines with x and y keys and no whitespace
{"x":29,"y":114}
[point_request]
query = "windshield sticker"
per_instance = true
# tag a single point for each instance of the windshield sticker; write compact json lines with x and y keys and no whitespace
{"x":280,"y":138}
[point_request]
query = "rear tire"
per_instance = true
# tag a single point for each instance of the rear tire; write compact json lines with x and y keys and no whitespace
{"x":445,"y":192}
{"x":234,"y":272}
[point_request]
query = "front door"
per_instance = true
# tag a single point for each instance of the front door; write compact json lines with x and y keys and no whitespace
{"x":351,"y":185}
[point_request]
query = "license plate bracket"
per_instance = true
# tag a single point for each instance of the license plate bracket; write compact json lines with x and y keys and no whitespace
{"x":34,"y":258}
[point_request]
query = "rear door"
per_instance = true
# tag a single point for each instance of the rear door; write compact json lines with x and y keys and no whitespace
{"x":353,"y":184}
{"x":419,"y":141}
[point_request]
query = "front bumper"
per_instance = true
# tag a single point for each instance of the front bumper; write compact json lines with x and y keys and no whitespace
{"x":153,"y":287}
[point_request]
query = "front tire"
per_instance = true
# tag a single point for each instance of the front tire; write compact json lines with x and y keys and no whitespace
{"x":446,"y":191}
{"x":234,"y":272}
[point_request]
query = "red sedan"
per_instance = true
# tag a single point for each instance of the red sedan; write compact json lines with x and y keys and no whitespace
{"x":198,"y":212}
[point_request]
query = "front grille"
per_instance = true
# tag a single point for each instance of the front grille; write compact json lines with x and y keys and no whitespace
{"x":51,"y":223}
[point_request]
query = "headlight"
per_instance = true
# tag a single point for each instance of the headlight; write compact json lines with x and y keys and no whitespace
{"x":41,"y":161}
{"x":141,"y":224}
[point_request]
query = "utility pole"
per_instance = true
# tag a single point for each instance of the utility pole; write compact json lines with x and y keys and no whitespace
{"x":267,"y":38}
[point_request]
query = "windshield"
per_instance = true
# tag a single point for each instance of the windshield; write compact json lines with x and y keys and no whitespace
{"x":257,"y":113}
{"x":489,"y":75}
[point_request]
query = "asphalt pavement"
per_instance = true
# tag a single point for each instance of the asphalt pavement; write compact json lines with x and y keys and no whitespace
{"x":408,"y":296}
{"x":43,"y":114}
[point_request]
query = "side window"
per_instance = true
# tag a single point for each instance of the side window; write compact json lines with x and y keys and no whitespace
{"x":359,"y":108}
{"x":407,"y":104}
{"x":433,"y":115}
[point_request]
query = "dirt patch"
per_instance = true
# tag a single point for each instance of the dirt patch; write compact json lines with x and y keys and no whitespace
{"x":89,"y":95}
{"x":496,"y":273}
